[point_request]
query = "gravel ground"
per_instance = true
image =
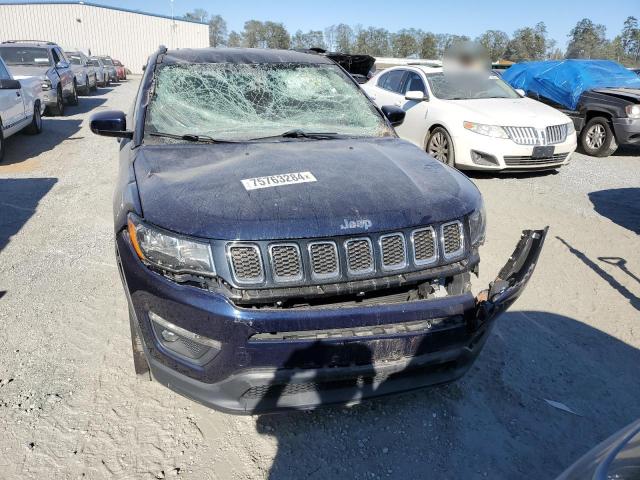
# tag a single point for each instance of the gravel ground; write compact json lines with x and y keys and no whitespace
{"x":71,"y":407}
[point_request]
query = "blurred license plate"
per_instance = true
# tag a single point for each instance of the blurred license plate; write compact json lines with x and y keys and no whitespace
{"x":543,"y":152}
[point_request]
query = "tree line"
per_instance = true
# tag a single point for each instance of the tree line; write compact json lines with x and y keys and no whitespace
{"x":586,"y":40}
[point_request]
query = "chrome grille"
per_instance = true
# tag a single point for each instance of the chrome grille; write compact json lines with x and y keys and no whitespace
{"x":523,"y":135}
{"x":452,"y":239}
{"x":425,"y":250}
{"x":534,"y":136}
{"x":324,"y":259}
{"x":394,"y":255}
{"x":286,"y":262}
{"x":246,"y":263}
{"x":556,"y":134}
{"x":359,"y":256}
{"x":523,"y":161}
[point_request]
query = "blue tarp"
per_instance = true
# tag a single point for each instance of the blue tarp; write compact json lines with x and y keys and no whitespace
{"x":563,"y":81}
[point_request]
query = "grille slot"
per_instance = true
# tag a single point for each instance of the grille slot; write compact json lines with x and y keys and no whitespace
{"x":246,"y":263}
{"x":425,"y":250}
{"x":359,"y":256}
{"x":556,"y":134}
{"x":286,"y":262}
{"x":452,"y":239}
{"x":394,"y":252}
{"x":523,"y":135}
{"x":527,"y":160}
{"x":324,"y":260}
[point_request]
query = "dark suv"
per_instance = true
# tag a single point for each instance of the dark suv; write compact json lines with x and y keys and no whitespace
{"x":281,"y":248}
{"x":39,"y":58}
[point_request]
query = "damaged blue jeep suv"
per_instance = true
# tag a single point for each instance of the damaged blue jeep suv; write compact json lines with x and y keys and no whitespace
{"x":280,"y":247}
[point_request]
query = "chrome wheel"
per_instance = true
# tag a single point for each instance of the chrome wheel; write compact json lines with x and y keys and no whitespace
{"x":439,"y":147}
{"x":596,"y":136}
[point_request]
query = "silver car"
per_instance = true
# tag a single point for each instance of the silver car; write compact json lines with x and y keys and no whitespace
{"x":101,"y":72}
{"x":85,"y":73}
{"x":45,"y":60}
{"x":110,"y":68}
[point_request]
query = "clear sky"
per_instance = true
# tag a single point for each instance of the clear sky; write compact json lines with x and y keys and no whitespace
{"x":449,"y":16}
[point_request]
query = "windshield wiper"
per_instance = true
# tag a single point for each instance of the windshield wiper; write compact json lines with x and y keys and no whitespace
{"x":189,"y":137}
{"x":299,"y":133}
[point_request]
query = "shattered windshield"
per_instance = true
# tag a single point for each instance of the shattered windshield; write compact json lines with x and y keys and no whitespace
{"x":466,"y":86}
{"x":241,"y":102}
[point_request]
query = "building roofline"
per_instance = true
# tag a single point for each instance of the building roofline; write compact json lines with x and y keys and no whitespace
{"x":91,"y":4}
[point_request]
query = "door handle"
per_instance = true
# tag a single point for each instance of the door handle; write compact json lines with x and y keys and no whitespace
{"x":17,"y":93}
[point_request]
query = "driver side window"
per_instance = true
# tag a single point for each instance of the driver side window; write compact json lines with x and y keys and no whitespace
{"x":414,"y":83}
{"x":392,"y":81}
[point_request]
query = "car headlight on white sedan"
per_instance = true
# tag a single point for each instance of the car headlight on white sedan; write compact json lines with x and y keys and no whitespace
{"x":169,"y":251}
{"x":483,"y":129}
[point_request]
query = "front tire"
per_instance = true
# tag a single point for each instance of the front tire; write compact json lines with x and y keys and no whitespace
{"x":94,"y":87}
{"x":597,"y":138}
{"x":35,"y":126}
{"x":58,"y":110}
{"x":73,"y":99}
{"x":440,"y":146}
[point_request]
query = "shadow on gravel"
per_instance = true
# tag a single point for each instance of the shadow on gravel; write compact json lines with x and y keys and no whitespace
{"x":621,"y":289}
{"x":19,"y":198}
{"x":21,"y":147}
{"x":492,"y":423}
{"x":85,"y":106}
{"x":620,"y":205}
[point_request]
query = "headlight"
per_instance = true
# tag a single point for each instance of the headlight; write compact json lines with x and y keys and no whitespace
{"x":633,"y":111}
{"x":571,"y":129}
{"x":477,"y":226}
{"x":170,"y":251}
{"x":488,"y":130}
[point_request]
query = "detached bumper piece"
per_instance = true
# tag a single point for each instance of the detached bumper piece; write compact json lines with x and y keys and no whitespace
{"x":244,"y":360}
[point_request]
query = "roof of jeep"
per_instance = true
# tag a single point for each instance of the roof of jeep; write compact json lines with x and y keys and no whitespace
{"x":239,"y":55}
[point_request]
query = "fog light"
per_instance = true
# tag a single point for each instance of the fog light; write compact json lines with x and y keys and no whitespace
{"x":182,"y":342}
{"x":169,"y":336}
{"x":480,"y":158}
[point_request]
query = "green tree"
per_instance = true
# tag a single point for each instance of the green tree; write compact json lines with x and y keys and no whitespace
{"x":197,"y":15}
{"x":445,"y":41}
{"x":217,"y":31}
{"x":275,"y":35}
{"x":587,"y":40}
{"x":528,"y":44}
{"x":630,"y":38}
{"x":310,"y":39}
{"x":373,"y":41}
{"x":495,"y":43}
{"x":428,"y":46}
{"x":404,"y":44}
{"x":234,"y":39}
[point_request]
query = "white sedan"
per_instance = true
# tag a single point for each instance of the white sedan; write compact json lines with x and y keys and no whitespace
{"x":474,"y":120}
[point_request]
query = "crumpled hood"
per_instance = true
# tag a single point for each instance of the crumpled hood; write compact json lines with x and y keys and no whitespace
{"x":197,"y":189}
{"x":510,"y":112}
{"x":631,"y":94}
{"x":29,"y":70}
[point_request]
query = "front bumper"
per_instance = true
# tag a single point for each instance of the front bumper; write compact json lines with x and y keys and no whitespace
{"x":505,"y":154}
{"x":252,"y":375}
{"x":627,"y":130}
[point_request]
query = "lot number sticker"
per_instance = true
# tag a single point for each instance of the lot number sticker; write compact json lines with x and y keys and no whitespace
{"x":278,"y":180}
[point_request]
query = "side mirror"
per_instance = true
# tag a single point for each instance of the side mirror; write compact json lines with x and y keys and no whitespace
{"x":521,"y":92}
{"x":144,"y":67}
{"x":10,"y":85}
{"x":111,"y":123}
{"x":394,"y":114}
{"x":62,"y":64}
{"x":415,"y":96}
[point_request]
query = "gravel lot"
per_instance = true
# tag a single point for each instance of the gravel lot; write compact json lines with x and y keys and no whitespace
{"x":71,"y":407}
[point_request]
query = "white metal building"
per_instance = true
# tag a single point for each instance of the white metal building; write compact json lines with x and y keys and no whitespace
{"x":126,"y":35}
